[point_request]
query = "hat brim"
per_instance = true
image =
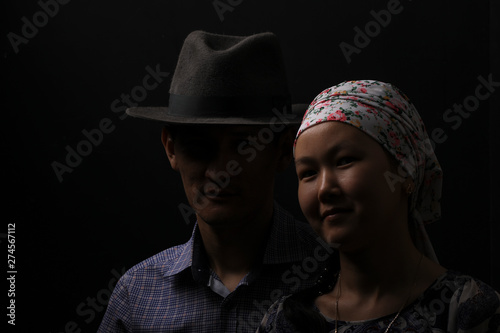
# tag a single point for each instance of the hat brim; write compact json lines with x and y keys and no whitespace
{"x":161,"y":114}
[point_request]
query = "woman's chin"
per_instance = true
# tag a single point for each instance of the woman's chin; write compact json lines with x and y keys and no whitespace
{"x":333,"y":237}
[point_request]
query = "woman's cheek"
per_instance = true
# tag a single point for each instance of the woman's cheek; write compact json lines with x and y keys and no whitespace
{"x":357,"y":182}
{"x":308,"y":201}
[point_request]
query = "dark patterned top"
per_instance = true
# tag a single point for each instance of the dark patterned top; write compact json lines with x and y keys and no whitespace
{"x":453,"y":303}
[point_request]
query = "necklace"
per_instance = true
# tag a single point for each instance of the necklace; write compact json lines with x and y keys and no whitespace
{"x":400,"y":309}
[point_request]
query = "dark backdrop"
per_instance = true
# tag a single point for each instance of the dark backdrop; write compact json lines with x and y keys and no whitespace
{"x":63,"y":71}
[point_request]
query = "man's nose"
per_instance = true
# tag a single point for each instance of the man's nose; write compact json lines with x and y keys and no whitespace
{"x":216,"y":165}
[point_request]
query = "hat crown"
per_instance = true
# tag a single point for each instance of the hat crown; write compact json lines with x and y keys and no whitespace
{"x":220,"y":65}
{"x":221,"y":79}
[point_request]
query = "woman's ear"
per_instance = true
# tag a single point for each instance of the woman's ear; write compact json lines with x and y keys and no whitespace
{"x":408,"y":186}
{"x":168,"y":143}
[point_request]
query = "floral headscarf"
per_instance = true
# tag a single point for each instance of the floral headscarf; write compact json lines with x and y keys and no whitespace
{"x":386,"y":114}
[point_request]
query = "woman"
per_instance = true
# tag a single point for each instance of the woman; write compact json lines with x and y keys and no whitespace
{"x":368,"y":182}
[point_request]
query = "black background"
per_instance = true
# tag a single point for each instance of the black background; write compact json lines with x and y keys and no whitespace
{"x":120,"y":204}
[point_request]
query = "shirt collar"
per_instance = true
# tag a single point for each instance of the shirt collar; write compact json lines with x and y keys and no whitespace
{"x":284,"y":245}
{"x":286,"y":242}
{"x":184,"y":259}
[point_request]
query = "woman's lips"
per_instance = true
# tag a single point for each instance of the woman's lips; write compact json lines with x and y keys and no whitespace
{"x":335,"y":214}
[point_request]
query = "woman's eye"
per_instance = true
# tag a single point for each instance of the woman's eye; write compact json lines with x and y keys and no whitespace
{"x":345,"y":160}
{"x":306,"y":174}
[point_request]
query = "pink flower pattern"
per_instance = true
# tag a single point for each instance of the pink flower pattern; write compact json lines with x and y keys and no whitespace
{"x":385,"y":113}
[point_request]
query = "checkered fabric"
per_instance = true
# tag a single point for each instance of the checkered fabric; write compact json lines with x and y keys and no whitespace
{"x":176,"y":291}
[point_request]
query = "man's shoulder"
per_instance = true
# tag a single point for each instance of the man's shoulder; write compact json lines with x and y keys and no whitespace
{"x":304,"y":230}
{"x":300,"y":230}
{"x":162,"y":263}
{"x":291,"y":240}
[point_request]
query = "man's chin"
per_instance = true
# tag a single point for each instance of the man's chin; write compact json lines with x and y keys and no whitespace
{"x":220,"y":218}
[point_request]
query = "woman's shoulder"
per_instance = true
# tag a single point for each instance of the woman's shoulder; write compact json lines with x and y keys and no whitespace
{"x":472,"y":304}
{"x":274,"y":318}
{"x":463,"y":285}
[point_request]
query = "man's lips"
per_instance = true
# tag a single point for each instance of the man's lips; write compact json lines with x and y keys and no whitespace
{"x":216,"y":192}
{"x":220,"y":194}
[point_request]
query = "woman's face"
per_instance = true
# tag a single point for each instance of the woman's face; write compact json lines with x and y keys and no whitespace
{"x":343,"y":190}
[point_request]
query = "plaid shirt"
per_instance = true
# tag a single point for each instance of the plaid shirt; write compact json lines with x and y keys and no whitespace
{"x":176,"y":291}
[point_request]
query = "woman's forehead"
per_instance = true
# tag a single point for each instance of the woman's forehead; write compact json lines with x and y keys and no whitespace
{"x":332,"y":137}
{"x":334,"y":131}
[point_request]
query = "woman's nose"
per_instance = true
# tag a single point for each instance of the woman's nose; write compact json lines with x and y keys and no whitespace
{"x":328,"y":186}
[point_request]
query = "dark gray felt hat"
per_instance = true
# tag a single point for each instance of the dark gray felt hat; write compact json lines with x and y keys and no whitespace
{"x":222,"y":79}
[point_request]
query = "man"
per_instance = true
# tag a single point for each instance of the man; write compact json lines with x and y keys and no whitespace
{"x":229,"y":128}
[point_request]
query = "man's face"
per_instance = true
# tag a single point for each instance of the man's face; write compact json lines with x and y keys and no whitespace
{"x":227,"y":171}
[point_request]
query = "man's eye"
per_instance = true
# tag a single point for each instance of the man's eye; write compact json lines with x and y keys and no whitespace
{"x":241,"y":143}
{"x":200,"y":149}
{"x":195,"y":145}
{"x":192,"y":141}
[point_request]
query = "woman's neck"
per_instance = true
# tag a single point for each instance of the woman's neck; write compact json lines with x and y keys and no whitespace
{"x":375,"y":272}
{"x":378,"y":282}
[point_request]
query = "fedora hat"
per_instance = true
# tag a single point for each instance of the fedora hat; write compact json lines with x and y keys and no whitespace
{"x":221,"y":79}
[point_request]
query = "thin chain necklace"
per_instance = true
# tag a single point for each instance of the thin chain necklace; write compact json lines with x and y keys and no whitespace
{"x":400,"y":309}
